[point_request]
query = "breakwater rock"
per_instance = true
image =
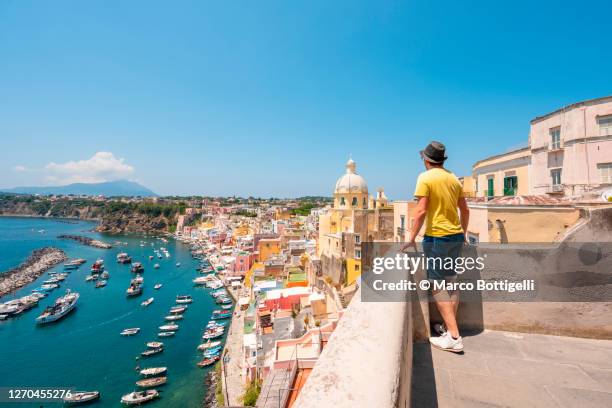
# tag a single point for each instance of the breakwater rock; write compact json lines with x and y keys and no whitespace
{"x":86,"y":241}
{"x":211,"y":382}
{"x":35,"y":265}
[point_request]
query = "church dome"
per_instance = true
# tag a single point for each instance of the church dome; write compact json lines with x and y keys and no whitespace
{"x":351,"y":182}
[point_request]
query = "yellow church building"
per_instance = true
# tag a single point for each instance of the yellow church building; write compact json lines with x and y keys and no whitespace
{"x":354,"y":217}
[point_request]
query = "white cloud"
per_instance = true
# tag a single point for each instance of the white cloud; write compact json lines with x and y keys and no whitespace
{"x":20,"y":168}
{"x":102,"y":166}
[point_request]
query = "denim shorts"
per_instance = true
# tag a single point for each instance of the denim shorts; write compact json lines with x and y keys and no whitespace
{"x":438,"y":250}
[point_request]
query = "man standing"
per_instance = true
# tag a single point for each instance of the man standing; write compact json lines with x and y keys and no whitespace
{"x":439,"y":193}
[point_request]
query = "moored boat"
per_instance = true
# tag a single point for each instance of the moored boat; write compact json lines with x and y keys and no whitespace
{"x":101,"y":284}
{"x":169,"y":327}
{"x":139,"y":397}
{"x":97,"y":267}
{"x":152,"y":351}
{"x":81,"y":397}
{"x":49,"y":287}
{"x":155,"y":344}
{"x":137,"y":267}
{"x":200,"y":280}
{"x":209,"y":344}
{"x":183,"y":299}
{"x":130,"y":332}
{"x":135,"y":289}
{"x":157,"y":286}
{"x":153,"y":371}
{"x":208,"y":361}
{"x":124,"y":258}
{"x":166,"y":334}
{"x":60,"y":308}
{"x":178,"y":309}
{"x":147,"y":302}
{"x":174,"y":317}
{"x":151,"y":382}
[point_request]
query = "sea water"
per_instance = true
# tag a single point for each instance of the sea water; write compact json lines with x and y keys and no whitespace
{"x":84,"y":350}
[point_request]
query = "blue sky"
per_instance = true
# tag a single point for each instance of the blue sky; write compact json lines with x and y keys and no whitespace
{"x":269,"y":98}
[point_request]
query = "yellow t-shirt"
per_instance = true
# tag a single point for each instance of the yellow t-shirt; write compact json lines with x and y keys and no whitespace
{"x":443,"y":189}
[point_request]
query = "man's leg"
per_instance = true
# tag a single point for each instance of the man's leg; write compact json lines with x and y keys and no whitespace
{"x":447,"y":304}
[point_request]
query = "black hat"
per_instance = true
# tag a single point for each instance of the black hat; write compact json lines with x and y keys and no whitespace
{"x":434,"y":152}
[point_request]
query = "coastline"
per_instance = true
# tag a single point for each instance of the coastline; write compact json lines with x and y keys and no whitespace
{"x":37,"y":263}
{"x":48,"y":217}
{"x":86,"y":241}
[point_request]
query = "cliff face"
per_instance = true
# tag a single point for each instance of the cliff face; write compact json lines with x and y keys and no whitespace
{"x":43,"y":209}
{"x":135,"y":222}
{"x":113,"y":216}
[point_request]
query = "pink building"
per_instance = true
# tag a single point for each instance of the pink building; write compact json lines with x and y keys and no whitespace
{"x":243,"y":262}
{"x":571,"y":148}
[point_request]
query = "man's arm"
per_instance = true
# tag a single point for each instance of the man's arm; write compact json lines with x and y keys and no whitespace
{"x":464,"y":213}
{"x":419,"y":218}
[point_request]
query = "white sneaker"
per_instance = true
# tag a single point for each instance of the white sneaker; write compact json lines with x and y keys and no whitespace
{"x":447,"y":343}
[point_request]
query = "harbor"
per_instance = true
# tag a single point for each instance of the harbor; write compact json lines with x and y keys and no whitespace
{"x":83,"y":348}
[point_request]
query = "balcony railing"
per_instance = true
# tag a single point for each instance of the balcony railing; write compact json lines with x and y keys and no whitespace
{"x":555,"y":189}
{"x":510,"y":191}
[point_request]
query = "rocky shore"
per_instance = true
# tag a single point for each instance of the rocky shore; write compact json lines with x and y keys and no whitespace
{"x":37,"y":263}
{"x":210,"y":382}
{"x":86,"y":241}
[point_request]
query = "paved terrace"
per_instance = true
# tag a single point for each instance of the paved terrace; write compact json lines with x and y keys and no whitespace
{"x":504,"y":369}
{"x":233,"y":370}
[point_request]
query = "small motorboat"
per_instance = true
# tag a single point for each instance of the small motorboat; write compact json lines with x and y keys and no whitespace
{"x":209,"y":344}
{"x":174,"y":317}
{"x":208,"y":361}
{"x":151,"y":382}
{"x":166,"y":334}
{"x":226,"y":307}
{"x":137,"y":267}
{"x":152,"y":351}
{"x":178,"y":309}
{"x":183,"y":297}
{"x":155,"y":344}
{"x":130,"y":332}
{"x":134,"y":290}
{"x":105,"y":275}
{"x":150,"y":257}
{"x":81,"y":397}
{"x":157,"y":286}
{"x":200,"y":280}
{"x":212,"y":335}
{"x":156,"y":266}
{"x":153,"y":371}
{"x":138,"y":279}
{"x":211,"y":353}
{"x":89,"y":278}
{"x":147,"y":302}
{"x":139,"y":397}
{"x":178,"y":264}
{"x":169,"y":327}
{"x":49,"y":286}
{"x":221,"y":316}
{"x":101,"y":284}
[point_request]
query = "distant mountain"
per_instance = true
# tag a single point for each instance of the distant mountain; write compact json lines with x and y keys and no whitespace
{"x":108,"y":189}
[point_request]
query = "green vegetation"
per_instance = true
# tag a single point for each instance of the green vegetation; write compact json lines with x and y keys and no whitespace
{"x":219,"y":385}
{"x":245,"y":213}
{"x":304,"y":209}
{"x":251,"y":393}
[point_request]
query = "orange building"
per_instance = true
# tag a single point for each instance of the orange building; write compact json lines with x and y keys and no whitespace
{"x":268,"y":247}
